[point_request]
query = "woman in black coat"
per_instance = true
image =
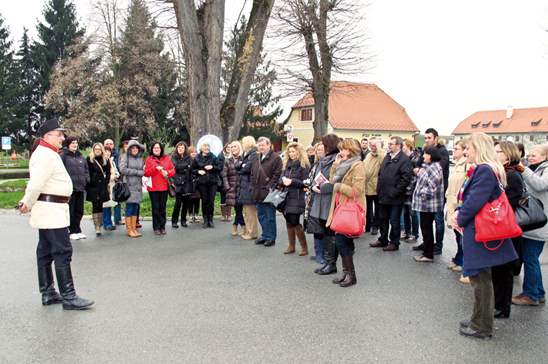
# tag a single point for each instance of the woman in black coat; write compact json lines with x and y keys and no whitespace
{"x":206,"y":168}
{"x":77,"y":167}
{"x":183,"y":184}
{"x":296,"y":168}
{"x":503,"y":275}
{"x":97,"y":188}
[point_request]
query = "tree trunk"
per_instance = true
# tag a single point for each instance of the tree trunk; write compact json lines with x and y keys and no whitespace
{"x":201,"y":32}
{"x":247,"y":59}
{"x":321,"y":111}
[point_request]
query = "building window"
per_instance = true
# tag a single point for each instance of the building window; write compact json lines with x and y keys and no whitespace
{"x":531,"y":138}
{"x":517,"y":138}
{"x":306,"y":115}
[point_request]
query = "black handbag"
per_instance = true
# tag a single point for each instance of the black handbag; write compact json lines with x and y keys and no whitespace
{"x":120,"y":192}
{"x":314,"y":226}
{"x":530,"y":213}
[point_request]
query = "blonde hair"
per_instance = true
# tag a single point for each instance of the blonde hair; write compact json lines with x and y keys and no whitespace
{"x":303,"y":158}
{"x":316,"y":155}
{"x":248,"y":142}
{"x":239,"y":147}
{"x":352,"y":145}
{"x":92,"y":153}
{"x":409,"y":143}
{"x":485,"y":154}
{"x":541,"y":148}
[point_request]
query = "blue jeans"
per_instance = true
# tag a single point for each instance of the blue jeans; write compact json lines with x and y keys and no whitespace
{"x":440,"y":230}
{"x":132,"y":209}
{"x":107,"y":217}
{"x":117,"y":213}
{"x":410,"y":221}
{"x":390,"y":228}
{"x":532,"y":277}
{"x":267,"y":218}
{"x":458,"y":259}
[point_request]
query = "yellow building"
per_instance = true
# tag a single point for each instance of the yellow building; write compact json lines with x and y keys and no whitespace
{"x":356,"y":110}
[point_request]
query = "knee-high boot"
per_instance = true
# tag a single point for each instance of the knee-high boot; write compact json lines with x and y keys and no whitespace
{"x":291,"y":239}
{"x":330,"y":256}
{"x":302,"y":239}
{"x":350,"y":278}
{"x":71,"y":301}
{"x":47,"y":286}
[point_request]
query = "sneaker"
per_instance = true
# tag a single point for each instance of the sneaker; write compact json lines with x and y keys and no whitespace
{"x":542,"y":300}
{"x":413,"y":239}
{"x":74,"y":237}
{"x":457,"y":268}
{"x":82,"y":236}
{"x":451,"y":266}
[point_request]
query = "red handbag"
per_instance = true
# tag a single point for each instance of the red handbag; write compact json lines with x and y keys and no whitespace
{"x":496,"y":221}
{"x":348,"y":217}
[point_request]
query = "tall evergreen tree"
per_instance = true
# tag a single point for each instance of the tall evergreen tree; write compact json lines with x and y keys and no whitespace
{"x":58,"y":31}
{"x":8,"y":85}
{"x":28,"y":90}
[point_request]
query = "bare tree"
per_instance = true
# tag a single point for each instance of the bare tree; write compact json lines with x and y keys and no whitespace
{"x":317,"y":38}
{"x":243,"y":72}
{"x":200,"y":26}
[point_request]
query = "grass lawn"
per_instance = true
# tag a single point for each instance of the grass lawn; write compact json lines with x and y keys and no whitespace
{"x":14,"y":184}
{"x":8,"y":200}
{"x":20,"y":163}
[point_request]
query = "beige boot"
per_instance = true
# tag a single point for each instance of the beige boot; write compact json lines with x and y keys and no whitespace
{"x":136,"y":233}
{"x":302,"y":239}
{"x":98,"y":222}
{"x":291,"y":239}
{"x":130,"y":228}
{"x":234,"y":230}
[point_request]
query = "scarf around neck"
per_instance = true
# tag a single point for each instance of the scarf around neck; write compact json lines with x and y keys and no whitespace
{"x":343,"y":168}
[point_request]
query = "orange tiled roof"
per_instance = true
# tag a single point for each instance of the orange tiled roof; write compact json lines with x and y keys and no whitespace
{"x":362,"y":106}
{"x":529,"y":120}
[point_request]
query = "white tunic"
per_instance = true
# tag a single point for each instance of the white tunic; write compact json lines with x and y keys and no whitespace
{"x":49,"y":176}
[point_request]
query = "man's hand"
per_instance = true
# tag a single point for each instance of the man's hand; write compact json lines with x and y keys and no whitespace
{"x":23,"y":208}
{"x":208,"y":167}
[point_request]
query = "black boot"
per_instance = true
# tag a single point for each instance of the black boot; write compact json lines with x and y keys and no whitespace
{"x":331,"y":254}
{"x":205,"y":223}
{"x":71,"y":301}
{"x":339,"y":280}
{"x":47,"y":287}
{"x":210,"y":222}
{"x":350,"y":278}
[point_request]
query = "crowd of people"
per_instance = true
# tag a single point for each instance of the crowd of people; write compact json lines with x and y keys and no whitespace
{"x":406,"y":193}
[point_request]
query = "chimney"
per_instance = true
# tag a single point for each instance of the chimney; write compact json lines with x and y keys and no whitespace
{"x":509,"y":112}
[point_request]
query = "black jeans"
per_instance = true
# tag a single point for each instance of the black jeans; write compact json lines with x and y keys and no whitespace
{"x":239,"y":217}
{"x":158,"y":202}
{"x":482,"y":318}
{"x":207,"y":194}
{"x":76,"y":210}
{"x":372,"y":213}
{"x":390,"y":216}
{"x":345,"y":245}
{"x":427,"y":229}
{"x":182,"y":205}
{"x":53,"y":245}
{"x":503,"y":283}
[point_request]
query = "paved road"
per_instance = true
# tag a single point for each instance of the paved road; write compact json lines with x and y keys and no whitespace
{"x":199,"y":296}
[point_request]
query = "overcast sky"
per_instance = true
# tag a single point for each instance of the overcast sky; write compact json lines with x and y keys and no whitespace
{"x":442,"y":60}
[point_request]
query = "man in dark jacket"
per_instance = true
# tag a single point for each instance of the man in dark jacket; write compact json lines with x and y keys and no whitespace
{"x":431,"y":139}
{"x":394,"y":177}
{"x":265,"y":174}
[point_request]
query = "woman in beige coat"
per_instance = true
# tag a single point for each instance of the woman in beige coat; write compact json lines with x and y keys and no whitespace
{"x":456,"y":180}
{"x":348,"y":179}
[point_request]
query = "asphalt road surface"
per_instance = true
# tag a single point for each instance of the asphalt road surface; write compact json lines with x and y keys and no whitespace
{"x":200,"y":296}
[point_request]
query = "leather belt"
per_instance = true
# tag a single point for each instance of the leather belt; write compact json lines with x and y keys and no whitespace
{"x":53,"y":198}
